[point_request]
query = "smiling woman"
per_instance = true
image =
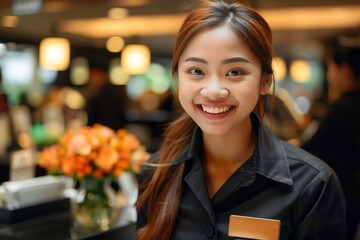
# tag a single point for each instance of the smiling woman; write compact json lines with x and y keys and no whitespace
{"x":219,"y":159}
{"x":224,"y":79}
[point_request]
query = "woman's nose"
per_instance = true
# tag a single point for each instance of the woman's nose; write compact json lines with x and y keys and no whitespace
{"x":214,"y":91}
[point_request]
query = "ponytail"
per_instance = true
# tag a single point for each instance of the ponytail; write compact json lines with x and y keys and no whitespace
{"x":161,"y":196}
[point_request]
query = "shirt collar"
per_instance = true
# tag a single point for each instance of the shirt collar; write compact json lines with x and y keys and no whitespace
{"x":271,"y":161}
{"x":193,"y":149}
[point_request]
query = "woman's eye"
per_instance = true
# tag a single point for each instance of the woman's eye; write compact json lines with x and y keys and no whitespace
{"x":234,"y":73}
{"x":195,"y":71}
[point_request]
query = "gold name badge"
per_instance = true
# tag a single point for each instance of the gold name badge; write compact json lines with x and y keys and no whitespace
{"x":254,"y":228}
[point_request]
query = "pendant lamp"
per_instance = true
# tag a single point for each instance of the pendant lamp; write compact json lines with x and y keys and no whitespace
{"x":300,"y":71}
{"x":135,"y":58}
{"x":54,"y":53}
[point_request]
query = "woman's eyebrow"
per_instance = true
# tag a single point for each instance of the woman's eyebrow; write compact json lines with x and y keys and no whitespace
{"x":226,"y":61}
{"x":235,"y":59}
{"x":195,"y":59}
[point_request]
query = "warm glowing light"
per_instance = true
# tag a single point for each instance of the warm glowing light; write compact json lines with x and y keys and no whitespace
{"x":300,"y":71}
{"x":279,"y":19}
{"x":10,"y":21}
{"x":115,"y":44}
{"x":279,"y":68}
{"x":135,"y":58}
{"x":127,"y":27}
{"x":56,"y":6}
{"x":24,"y":140}
{"x":117,"y":75}
{"x":35,"y":99}
{"x":79,"y":71}
{"x":73,"y":98}
{"x":312,"y":17}
{"x":55,"y":53}
{"x":135,"y":3}
{"x":117,"y":13}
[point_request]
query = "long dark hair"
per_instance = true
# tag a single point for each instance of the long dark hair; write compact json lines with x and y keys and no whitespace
{"x":161,"y":194}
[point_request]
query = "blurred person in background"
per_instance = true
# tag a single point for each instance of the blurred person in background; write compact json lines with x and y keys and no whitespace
{"x":337,"y":138}
{"x":105,"y":104}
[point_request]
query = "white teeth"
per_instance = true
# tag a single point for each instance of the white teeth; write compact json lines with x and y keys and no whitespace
{"x":215,"y":110}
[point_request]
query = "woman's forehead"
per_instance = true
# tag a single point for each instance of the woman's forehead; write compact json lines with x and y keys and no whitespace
{"x":221,"y":41}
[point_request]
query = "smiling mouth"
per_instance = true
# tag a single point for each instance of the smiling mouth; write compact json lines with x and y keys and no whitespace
{"x":215,"y":110}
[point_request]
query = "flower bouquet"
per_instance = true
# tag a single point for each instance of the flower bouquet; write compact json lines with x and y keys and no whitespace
{"x":94,"y":156}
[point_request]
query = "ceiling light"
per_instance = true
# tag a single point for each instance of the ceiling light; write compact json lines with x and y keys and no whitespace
{"x":79,"y":71}
{"x":312,"y":18}
{"x":128,"y":27}
{"x":135,"y":58}
{"x":278,"y":19}
{"x":73,"y":98}
{"x":115,"y":44}
{"x":117,"y":13}
{"x":118,"y":76}
{"x":300,"y":71}
{"x":54,"y":53}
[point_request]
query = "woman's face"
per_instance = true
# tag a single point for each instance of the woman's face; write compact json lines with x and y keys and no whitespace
{"x":219,"y":81}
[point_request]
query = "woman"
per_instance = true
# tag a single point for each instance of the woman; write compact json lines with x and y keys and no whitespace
{"x":218,"y":159}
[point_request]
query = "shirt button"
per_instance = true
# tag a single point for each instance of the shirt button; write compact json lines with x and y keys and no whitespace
{"x":210,"y":232}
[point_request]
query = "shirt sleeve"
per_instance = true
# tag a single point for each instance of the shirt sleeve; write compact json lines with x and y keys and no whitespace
{"x":319,"y":212}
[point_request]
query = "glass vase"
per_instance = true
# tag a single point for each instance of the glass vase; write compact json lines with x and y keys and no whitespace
{"x":95,"y":204}
{"x":129,"y":187}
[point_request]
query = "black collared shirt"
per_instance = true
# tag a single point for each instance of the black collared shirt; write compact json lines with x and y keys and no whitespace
{"x":279,"y":181}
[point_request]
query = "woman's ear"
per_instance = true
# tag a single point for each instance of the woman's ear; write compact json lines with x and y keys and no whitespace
{"x":266,"y":81}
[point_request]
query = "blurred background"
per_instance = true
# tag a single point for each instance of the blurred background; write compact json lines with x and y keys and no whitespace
{"x":91,"y":73}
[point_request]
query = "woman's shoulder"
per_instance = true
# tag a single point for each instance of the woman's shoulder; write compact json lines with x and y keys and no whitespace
{"x":301,"y":160}
{"x":296,"y":159}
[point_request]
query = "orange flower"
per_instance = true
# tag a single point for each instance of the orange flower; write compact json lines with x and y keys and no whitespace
{"x":107,"y":158}
{"x":78,"y":144}
{"x":131,"y":142}
{"x":68,"y":165}
{"x":103,"y":133}
{"x":118,"y":171}
{"x":95,"y":151}
{"x":64,"y":140}
{"x":122,"y":163}
{"x":138,"y":157}
{"x":49,"y":158}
